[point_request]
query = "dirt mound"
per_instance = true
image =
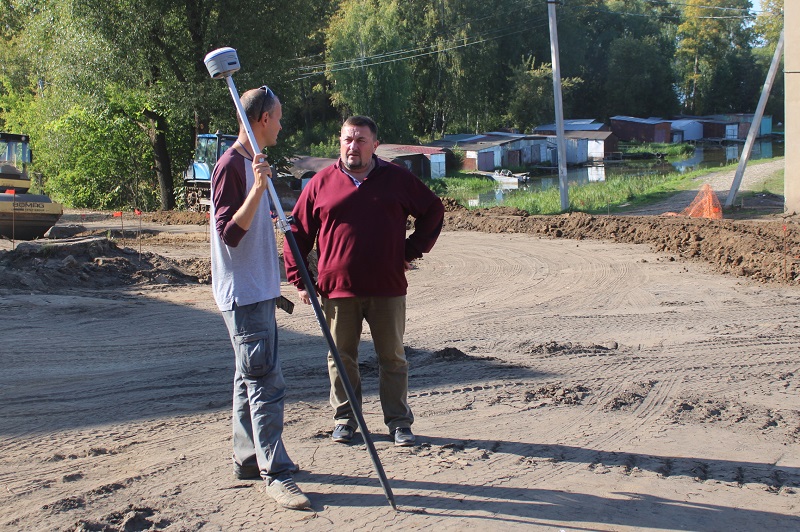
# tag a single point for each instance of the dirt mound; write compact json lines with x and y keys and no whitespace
{"x":176,"y":217}
{"x":94,"y":262}
{"x":761,"y":250}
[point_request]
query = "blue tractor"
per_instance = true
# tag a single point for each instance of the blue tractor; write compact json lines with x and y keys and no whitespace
{"x":197,"y":177}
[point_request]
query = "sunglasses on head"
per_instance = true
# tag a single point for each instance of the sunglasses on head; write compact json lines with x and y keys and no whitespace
{"x":268,"y":97}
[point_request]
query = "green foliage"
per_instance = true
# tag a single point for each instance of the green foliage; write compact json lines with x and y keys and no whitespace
{"x":769,"y":23}
{"x":83,"y":176}
{"x":458,"y":156}
{"x":775,"y":184}
{"x":129,"y":76}
{"x":668,"y":149}
{"x":329,"y":149}
{"x":596,"y":197}
{"x":323,"y":132}
{"x":377,"y":88}
{"x":713,"y":54}
{"x":639,"y":81}
{"x":531,"y":101}
{"x":460,"y":185}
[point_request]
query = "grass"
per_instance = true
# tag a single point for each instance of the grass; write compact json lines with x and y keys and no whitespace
{"x":600,"y":197}
{"x":774,"y":184}
{"x":608,"y":196}
{"x":463,"y":183}
{"x":670,"y":150}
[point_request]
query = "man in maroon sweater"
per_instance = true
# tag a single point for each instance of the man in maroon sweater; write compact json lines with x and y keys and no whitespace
{"x":357,"y":211}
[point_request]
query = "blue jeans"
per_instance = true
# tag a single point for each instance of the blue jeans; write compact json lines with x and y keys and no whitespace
{"x":258,"y":391}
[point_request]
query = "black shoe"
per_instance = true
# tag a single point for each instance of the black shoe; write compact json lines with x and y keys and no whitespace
{"x":403,"y":437}
{"x":343,"y":433}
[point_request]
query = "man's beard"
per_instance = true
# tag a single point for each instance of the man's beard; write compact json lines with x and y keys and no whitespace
{"x":360,"y":165}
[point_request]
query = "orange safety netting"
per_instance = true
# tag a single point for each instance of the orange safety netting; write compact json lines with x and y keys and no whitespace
{"x":705,"y":205}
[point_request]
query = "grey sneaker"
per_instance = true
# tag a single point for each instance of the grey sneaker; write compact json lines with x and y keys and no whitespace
{"x":343,"y":433}
{"x":287,"y":494}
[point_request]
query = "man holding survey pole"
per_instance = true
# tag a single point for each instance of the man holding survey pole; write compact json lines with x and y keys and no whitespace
{"x":246,"y":285}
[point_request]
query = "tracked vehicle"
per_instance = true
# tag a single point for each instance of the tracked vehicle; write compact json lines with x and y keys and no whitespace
{"x":197,"y":176}
{"x":23,"y":216}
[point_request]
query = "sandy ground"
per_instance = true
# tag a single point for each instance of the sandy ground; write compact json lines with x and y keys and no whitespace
{"x":560,"y":381}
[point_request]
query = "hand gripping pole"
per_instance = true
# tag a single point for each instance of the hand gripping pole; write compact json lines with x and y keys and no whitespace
{"x":223,"y":62}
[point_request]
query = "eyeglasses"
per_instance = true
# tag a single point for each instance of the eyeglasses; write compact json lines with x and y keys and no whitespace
{"x":268,"y":96}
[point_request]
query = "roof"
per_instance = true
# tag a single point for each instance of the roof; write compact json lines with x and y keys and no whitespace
{"x":397,"y":150}
{"x":680,"y":124}
{"x":651,"y":121}
{"x":574,"y":124}
{"x":591,"y":135}
{"x":460,"y":137}
{"x":481,"y":142}
{"x":506,"y":134}
{"x":315,"y":164}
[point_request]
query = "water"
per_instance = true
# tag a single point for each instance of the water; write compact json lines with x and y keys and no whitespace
{"x":705,"y":156}
{"x":714,"y":156}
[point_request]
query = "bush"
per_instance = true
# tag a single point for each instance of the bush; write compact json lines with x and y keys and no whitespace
{"x":328,"y":149}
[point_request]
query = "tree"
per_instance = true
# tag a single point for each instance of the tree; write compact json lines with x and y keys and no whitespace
{"x":594,"y":37}
{"x":768,"y":27}
{"x":463,"y":75}
{"x":532,"y":102}
{"x":769,"y":23}
{"x":141,"y":63}
{"x":714,"y":37}
{"x":365,"y":77}
{"x":639,"y":80}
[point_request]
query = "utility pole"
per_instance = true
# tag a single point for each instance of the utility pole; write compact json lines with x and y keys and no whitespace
{"x":560,"y":144}
{"x":791,"y":76}
{"x":755,"y":126}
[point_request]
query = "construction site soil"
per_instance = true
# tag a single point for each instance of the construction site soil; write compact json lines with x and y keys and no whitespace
{"x":762,"y":244}
{"x":574,"y":372}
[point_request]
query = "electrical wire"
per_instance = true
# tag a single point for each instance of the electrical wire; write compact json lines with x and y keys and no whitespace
{"x":492,"y":34}
{"x":388,"y":57}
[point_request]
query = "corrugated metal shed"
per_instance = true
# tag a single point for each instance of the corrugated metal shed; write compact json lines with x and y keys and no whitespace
{"x":422,"y":161}
{"x":496,"y":150}
{"x":304,"y":164}
{"x":601,"y":143}
{"x":628,"y":128}
{"x":573,"y":124}
{"x":690,"y":129}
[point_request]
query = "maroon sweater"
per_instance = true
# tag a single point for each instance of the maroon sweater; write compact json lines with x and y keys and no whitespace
{"x":362,"y":230}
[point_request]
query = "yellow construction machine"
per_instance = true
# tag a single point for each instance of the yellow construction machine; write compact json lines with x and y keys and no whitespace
{"x":23,"y":216}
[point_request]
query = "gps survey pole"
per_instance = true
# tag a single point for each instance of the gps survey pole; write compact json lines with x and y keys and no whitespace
{"x":223,"y":62}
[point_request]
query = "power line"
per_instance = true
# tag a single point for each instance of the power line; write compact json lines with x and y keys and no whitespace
{"x":511,"y":11}
{"x":481,"y":35}
{"x":677,"y":16}
{"x":720,"y":8}
{"x":390,"y":57}
{"x":492,"y":34}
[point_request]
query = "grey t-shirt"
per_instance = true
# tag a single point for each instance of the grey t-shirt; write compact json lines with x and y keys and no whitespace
{"x":248,"y":272}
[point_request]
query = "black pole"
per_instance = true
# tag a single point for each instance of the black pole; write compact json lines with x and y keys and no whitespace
{"x":223,"y":63}
{"x":348,"y":387}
